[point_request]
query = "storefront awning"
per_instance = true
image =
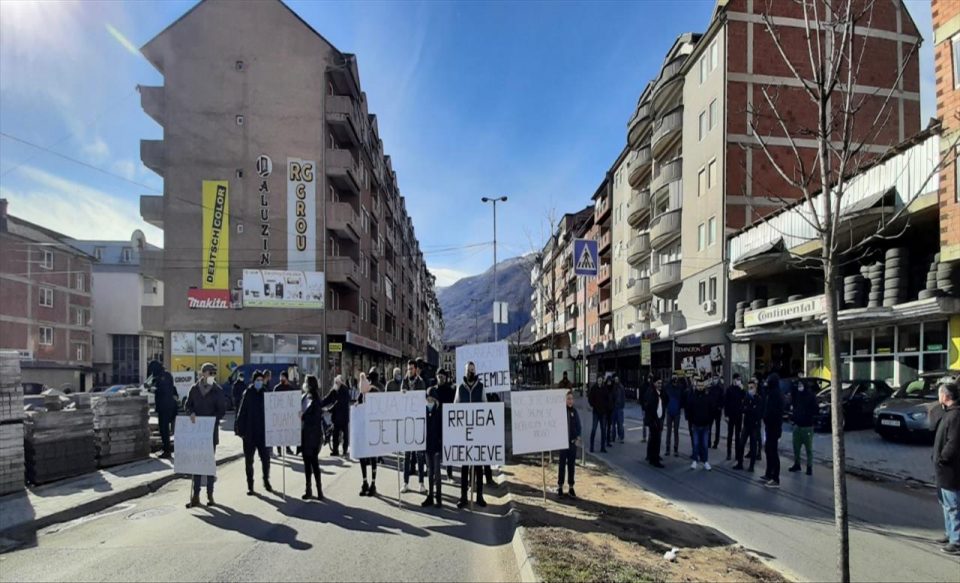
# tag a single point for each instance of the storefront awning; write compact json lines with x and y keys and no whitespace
{"x":761,"y":256}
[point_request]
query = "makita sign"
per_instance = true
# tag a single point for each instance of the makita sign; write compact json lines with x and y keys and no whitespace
{"x":208,"y":299}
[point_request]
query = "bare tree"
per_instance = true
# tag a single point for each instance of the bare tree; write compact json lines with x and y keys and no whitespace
{"x":845,"y":123}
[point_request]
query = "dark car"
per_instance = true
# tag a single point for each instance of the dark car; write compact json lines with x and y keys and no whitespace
{"x":859,"y":398}
{"x":812,"y":384}
{"x":913,"y":410}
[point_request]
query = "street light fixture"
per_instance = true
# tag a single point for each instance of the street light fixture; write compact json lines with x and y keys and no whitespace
{"x":494,"y":201}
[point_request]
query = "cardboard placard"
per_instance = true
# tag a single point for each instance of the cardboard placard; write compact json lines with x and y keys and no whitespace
{"x":194,"y":447}
{"x":492,"y":360}
{"x":473,"y":434}
{"x":539,"y":420}
{"x":281,"y":412}
{"x":387,"y":423}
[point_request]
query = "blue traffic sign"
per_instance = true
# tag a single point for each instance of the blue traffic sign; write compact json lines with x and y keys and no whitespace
{"x":586,"y":259}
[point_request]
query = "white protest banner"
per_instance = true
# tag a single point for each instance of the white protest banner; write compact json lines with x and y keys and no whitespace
{"x":194,"y":447}
{"x":539,"y":420}
{"x":473,"y":434}
{"x":183,"y":381}
{"x":387,"y":423}
{"x":492,"y":360}
{"x":281,"y":412}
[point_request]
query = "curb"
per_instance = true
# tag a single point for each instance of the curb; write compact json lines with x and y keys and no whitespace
{"x":526,"y":564}
{"x":101,"y":503}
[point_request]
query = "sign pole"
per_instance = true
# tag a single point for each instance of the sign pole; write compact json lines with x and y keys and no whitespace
{"x":399,"y":465}
{"x":283,"y":463}
{"x":543,"y":468}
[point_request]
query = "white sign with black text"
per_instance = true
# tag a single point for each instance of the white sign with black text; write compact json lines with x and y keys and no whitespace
{"x":492,"y":360}
{"x":539,"y":420}
{"x":473,"y":434}
{"x":281,"y":412}
{"x":194,"y":452}
{"x":387,"y":423}
{"x":183,"y":381}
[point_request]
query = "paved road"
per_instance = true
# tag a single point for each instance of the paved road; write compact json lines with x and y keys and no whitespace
{"x":892,"y":528}
{"x":266,"y":538}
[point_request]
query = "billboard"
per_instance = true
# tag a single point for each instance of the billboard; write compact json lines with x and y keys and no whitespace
{"x":698,"y":359}
{"x":268,"y":288}
{"x":216,"y":235}
{"x":301,"y":214}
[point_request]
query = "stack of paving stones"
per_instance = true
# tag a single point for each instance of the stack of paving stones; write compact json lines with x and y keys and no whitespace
{"x":854,"y":291}
{"x":58,"y":444}
{"x":11,"y":424}
{"x":895,"y":276}
{"x":874,"y":275}
{"x":121,"y":424}
{"x":741,"y":310}
{"x":948,"y":277}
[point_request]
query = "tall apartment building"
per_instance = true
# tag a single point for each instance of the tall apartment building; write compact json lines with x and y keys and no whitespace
{"x":272,"y":162}
{"x":45,"y":308}
{"x":946,"y":39}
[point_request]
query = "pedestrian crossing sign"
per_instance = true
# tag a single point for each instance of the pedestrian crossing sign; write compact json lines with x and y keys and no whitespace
{"x":585,"y":257}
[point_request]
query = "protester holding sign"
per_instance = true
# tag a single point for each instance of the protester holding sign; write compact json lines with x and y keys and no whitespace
{"x":568,"y":457}
{"x":434,"y":447}
{"x":311,"y":435}
{"x":446,"y":393}
{"x":370,"y":490}
{"x":206,"y":399}
{"x":282,"y":386}
{"x":412,"y":382}
{"x":470,"y":391}
{"x":250,"y":426}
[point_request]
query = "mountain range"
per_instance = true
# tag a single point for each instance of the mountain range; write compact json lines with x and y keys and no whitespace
{"x":468,"y":303}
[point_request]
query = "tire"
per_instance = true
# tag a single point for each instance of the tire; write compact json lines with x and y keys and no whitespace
{"x":795,"y":297}
{"x":774,"y":301}
{"x":742,"y":305}
{"x":757,"y":304}
{"x":928,"y":293}
{"x":894,"y":283}
{"x":895,"y":252}
{"x":894,"y":262}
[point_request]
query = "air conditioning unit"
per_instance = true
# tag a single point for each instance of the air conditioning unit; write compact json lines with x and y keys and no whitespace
{"x":709,"y":306}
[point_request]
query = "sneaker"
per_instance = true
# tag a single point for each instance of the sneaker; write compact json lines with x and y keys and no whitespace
{"x":942,"y":540}
{"x":319,"y":495}
{"x":423,"y":489}
{"x":438,"y":503}
{"x":250,"y":491}
{"x":364,"y":489}
{"x":462,"y":503}
{"x":772,"y":484}
{"x":794,"y":468}
{"x":951,"y":549}
{"x":706,"y":466}
{"x":693,"y":466}
{"x":372,"y":491}
{"x":210,"y":501}
{"x":405,"y":489}
{"x":809,"y":470}
{"x":572,"y":493}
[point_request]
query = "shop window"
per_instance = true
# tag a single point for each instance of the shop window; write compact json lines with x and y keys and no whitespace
{"x":861,"y":368}
{"x":862,"y":342}
{"x":844,"y":344}
{"x":934,"y":361}
{"x":814,"y":355}
{"x":883,"y":368}
{"x":908,"y":369}
{"x":934,"y":337}
{"x":909,"y":338}
{"x":883,"y":341}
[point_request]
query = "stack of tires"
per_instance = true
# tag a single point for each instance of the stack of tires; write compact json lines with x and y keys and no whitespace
{"x":895,"y":276}
{"x":738,"y":317}
{"x":930,"y":288}
{"x":874,"y":275}
{"x":757,"y":304}
{"x":948,"y":277}
{"x":854,"y":291}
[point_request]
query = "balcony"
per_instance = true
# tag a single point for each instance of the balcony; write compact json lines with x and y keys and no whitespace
{"x":665,"y":228}
{"x":343,"y":271}
{"x":665,"y":282}
{"x":570,"y":324}
{"x":341,"y":117}
{"x":639,"y":292}
{"x":341,"y":321}
{"x":638,"y":249}
{"x":153,"y":155}
{"x":606,"y":306}
{"x":639,"y":206}
{"x":666,"y":173}
{"x":153,"y":102}
{"x":602,"y":209}
{"x":151,"y":209}
{"x":670,"y":80}
{"x":342,"y":170}
{"x":342,"y":219}
{"x":639,"y":123}
{"x":640,"y":167}
{"x":666,"y":131}
{"x":151,"y":263}
{"x":605,"y":241}
{"x":603,"y":274}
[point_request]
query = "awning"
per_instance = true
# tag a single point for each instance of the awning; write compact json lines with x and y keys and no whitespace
{"x":884,"y":198}
{"x":761,"y":255}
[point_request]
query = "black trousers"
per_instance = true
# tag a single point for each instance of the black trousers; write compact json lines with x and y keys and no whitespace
{"x":717,"y":423}
{"x":250,"y":448}
{"x":751,"y":435}
{"x":341,"y":432}
{"x":311,"y":465}
{"x":166,"y":425}
{"x":734,"y":434}
{"x":372,"y":462}
{"x":653,"y":441}
{"x":567,"y":464}
{"x":434,"y":474}
{"x":772,"y":449}
{"x":477,"y":481}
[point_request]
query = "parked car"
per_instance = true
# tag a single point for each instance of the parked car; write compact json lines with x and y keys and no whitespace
{"x":913,"y":411}
{"x":813,"y":384}
{"x":859,"y":398}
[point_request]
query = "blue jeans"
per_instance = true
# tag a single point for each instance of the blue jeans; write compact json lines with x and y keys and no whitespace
{"x":196,"y":484}
{"x":701,"y":440}
{"x":950,"y":501}
{"x":599,"y":419}
{"x":618,"y":423}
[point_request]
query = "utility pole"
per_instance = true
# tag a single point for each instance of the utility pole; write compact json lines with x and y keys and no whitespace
{"x":495,"y":201}
{"x":476,"y":318}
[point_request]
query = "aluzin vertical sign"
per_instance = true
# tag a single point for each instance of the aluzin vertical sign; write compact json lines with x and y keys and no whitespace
{"x":216,"y":235}
{"x":301,"y":215}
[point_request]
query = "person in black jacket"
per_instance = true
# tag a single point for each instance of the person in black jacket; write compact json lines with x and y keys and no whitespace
{"x":371,"y":489}
{"x":446,"y":393}
{"x":654,"y":411}
{"x":752,"y":414}
{"x":597,"y":397}
{"x":166,"y":401}
{"x":733,"y":410}
{"x":700,"y":413}
{"x":567,"y":461}
{"x":250,"y":428}
{"x":434,"y":449}
{"x":237,"y":393}
{"x":206,"y":400}
{"x":946,"y":461}
{"x":311,"y":435}
{"x":773,"y":424}
{"x":338,"y":401}
{"x":471,"y":391}
{"x":715,"y":390}
{"x":802,"y":414}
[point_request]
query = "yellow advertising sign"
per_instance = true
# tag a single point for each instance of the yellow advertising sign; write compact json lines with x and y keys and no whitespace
{"x":216,"y":235}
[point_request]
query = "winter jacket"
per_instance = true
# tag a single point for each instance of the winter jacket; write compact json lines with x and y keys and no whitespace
{"x":467,"y":393}
{"x":166,"y":396}
{"x":435,"y":429}
{"x":338,"y":400}
{"x":414,"y":384}
{"x":773,"y":407}
{"x":597,"y":397}
{"x":716,"y":398}
{"x":311,"y":424}
{"x":250,"y":417}
{"x":619,"y":397}
{"x":573,"y":425}
{"x":733,"y":401}
{"x":805,"y":408}
{"x":700,"y":408}
{"x":674,"y":393}
{"x":446,"y":393}
{"x":946,"y":449}
{"x":212,"y":404}
{"x":238,"y":388}
{"x":393,"y":385}
{"x":654,"y":401}
{"x":280,"y":387}
{"x":752,"y":410}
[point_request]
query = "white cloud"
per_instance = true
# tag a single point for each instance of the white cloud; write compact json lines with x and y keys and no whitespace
{"x":96,"y":151}
{"x":126,"y":168}
{"x":447,"y":277}
{"x":74,"y":209}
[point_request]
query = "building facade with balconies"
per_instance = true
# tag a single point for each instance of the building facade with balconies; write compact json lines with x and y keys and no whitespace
{"x":263,"y":119}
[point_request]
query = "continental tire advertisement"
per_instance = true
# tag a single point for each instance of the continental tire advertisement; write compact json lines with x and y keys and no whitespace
{"x":216,"y":235}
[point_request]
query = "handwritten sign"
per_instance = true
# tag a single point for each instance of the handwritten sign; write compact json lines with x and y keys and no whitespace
{"x":473,"y":434}
{"x":194,"y":447}
{"x":387,"y":423}
{"x":539,"y":420}
{"x":183,"y":381}
{"x":492,"y":360}
{"x":282,"y":418}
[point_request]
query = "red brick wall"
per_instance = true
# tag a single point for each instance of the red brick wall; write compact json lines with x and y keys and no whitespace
{"x":948,"y":106}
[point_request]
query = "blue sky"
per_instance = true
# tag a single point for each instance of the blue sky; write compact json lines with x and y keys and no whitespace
{"x":524,"y":99}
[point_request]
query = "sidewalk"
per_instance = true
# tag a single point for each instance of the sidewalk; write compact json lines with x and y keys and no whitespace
{"x":867,"y":453}
{"x":41,"y":506}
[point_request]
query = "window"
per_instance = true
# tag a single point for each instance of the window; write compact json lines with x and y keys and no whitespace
{"x":80,"y":283}
{"x":712,"y":231}
{"x":46,"y":336}
{"x":79,"y":317}
{"x":701,"y":182}
{"x":703,"y":125}
{"x":703,"y":68}
{"x":713,"y":114}
{"x":47,"y":261}
{"x":702,"y":291}
{"x":956,"y":61}
{"x":711,"y":173}
{"x":713,"y":289}
{"x":364,"y":315}
{"x":700,"y":238}
{"x":714,"y":55}
{"x":46,"y":297}
{"x":79,"y":351}
{"x":127,"y":255}
{"x":98,"y":253}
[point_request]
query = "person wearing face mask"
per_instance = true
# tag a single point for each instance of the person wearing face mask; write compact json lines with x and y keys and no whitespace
{"x":446,"y":393}
{"x":206,"y":399}
{"x":250,"y":428}
{"x":470,"y":391}
{"x":733,"y":411}
{"x":654,"y":410}
{"x":238,"y":388}
{"x":750,"y":432}
{"x":412,"y":459}
{"x":311,"y":434}
{"x":946,"y":462}
{"x":369,"y":489}
{"x":804,"y":411}
{"x":567,"y":461}
{"x":338,"y":401}
{"x":434,"y":449}
{"x":700,"y":414}
{"x":773,"y":425}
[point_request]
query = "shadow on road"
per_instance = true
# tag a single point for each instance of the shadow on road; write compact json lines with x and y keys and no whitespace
{"x":346,"y":517}
{"x":227,"y":518}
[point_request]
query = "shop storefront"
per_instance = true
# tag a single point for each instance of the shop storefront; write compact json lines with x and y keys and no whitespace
{"x":300,"y":349}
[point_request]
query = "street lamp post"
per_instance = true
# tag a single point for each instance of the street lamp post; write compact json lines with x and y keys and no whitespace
{"x":476,"y":317}
{"x":494,"y":201}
